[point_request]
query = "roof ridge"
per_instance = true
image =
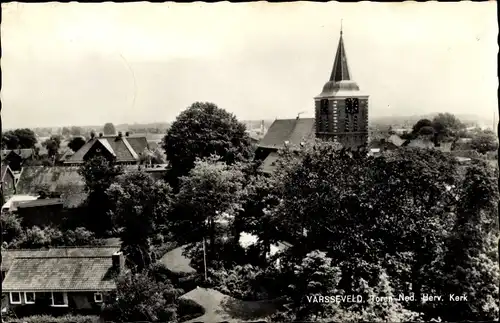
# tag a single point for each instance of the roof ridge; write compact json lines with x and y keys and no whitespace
{"x":65,"y":257}
{"x":85,"y":247}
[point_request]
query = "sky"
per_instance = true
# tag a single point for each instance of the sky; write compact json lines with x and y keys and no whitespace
{"x":87,"y":64}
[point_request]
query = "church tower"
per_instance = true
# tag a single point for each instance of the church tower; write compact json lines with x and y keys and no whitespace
{"x":341,"y":110}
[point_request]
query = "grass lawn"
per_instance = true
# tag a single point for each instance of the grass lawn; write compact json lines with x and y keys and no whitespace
{"x":176,"y":262}
{"x":223,"y":308}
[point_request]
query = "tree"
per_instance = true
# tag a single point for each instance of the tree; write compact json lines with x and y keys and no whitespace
{"x":471,"y":260}
{"x":212,"y":190}
{"x":19,"y":139}
{"x":109,"y":129}
{"x":140,"y":209}
{"x":315,"y":275}
{"x":256,"y":216}
{"x":140,"y":298}
{"x":420,"y":124}
{"x":11,"y":227}
{"x":202,"y":130}
{"x":389,"y":211}
{"x":65,"y":132}
{"x":76,"y":131}
{"x":76,"y":143}
{"x":52,"y":144}
{"x":484,"y":142}
{"x":446,"y":124}
{"x":426,"y":131}
{"x":98,"y":174}
{"x":10,"y":140}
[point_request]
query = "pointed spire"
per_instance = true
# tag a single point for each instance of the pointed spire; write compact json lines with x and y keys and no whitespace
{"x":340,"y":71}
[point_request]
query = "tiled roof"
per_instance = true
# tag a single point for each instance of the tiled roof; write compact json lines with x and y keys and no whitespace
{"x":139,"y":144}
{"x":421,"y":143}
{"x":123,"y":148}
{"x":3,"y":170}
{"x":60,"y":274}
{"x":23,"y":153}
{"x":41,"y":202}
{"x":269,"y":164}
{"x":61,"y":179}
{"x":294,"y":131}
{"x":101,"y":251}
{"x":9,"y":255}
{"x":396,"y":140}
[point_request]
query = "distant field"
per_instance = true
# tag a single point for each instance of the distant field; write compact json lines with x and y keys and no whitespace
{"x":151,"y":136}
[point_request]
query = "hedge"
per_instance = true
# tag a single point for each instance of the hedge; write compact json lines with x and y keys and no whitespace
{"x":52,"y":319}
{"x":189,"y":309}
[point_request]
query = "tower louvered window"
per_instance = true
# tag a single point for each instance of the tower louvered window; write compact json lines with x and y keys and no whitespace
{"x":346,"y":124}
{"x":355,"y":123}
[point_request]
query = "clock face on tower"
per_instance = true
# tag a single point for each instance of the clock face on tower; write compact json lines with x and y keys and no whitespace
{"x":351,"y":105}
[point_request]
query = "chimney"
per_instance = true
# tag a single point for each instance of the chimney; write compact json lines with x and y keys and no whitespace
{"x":120,"y":134}
{"x":100,"y":134}
{"x":118,"y":261}
{"x":127,"y":134}
{"x":92,"y":135}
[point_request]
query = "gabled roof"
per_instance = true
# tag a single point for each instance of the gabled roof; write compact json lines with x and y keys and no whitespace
{"x":24,"y":153}
{"x":269,"y":164}
{"x":293,"y":131}
{"x":124,"y":149}
{"x":396,"y":140}
{"x":9,"y":255}
{"x":4,"y":169}
{"x":60,"y":274}
{"x":421,"y":143}
{"x":61,"y":179}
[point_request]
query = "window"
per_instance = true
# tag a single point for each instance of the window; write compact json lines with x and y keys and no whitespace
{"x":59,"y":299}
{"x":98,"y":297}
{"x":15,"y":298}
{"x":29,"y":297}
{"x":324,"y":106}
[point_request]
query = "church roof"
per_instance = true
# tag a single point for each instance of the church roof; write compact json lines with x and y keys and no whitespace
{"x":340,"y":70}
{"x":293,"y":131}
{"x":340,"y":82}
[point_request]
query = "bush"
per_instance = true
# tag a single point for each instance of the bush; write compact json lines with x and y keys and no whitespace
{"x":161,"y":249}
{"x":241,"y":282}
{"x":36,"y":237}
{"x":188,"y":309}
{"x":11,"y":226}
{"x":48,"y":318}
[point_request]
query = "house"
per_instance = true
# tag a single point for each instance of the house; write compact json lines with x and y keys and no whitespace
{"x":67,"y":279}
{"x":390,"y":143}
{"x":121,"y":149}
{"x":8,"y":181}
{"x":65,"y":156}
{"x":66,"y":182}
{"x":16,"y":158}
{"x":14,"y":201}
{"x":62,"y":180}
{"x":41,"y":212}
